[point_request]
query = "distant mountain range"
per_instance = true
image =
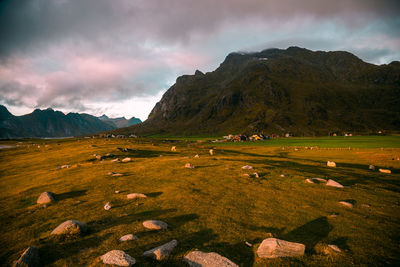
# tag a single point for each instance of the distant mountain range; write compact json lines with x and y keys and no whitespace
{"x":50,"y":123}
{"x":281,"y":91}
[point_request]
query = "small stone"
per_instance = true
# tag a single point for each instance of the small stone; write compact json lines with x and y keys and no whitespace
{"x":334,"y":184}
{"x":247,"y":167}
{"x":45,"y":197}
{"x":385,"y":171}
{"x":331,"y":164}
{"x":111,"y":173}
{"x":189,"y":166}
{"x":99,"y":157}
{"x":126,"y":159}
{"x":275,"y":248}
{"x":117,"y":174}
{"x":211,"y":151}
{"x":109,"y":155}
{"x":346,"y":204}
{"x":248,"y":244}
{"x":256,"y":175}
{"x":155,"y":225}
{"x":371,"y":167}
{"x":107,"y":206}
{"x":135,"y":195}
{"x":118,"y":257}
{"x":71,"y":227}
{"x":128,"y":237}
{"x":334,"y":248}
{"x":310,"y":181}
{"x":173,"y":149}
{"x":65,"y":166}
{"x":365,"y":206}
{"x":197,"y":156}
{"x":29,"y":258}
{"x":198,"y":258}
{"x":115,"y":160}
{"x":282,"y":175}
{"x":161,"y":252}
{"x":333,"y":215}
{"x":117,"y":191}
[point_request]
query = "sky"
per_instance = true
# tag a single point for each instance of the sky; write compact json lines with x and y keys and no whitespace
{"x":118,"y":57}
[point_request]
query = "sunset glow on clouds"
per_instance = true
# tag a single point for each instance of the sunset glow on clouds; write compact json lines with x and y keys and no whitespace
{"x":118,"y":57}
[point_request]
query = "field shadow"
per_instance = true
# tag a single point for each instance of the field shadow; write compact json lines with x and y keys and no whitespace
{"x":70,"y":194}
{"x":153,"y":194}
{"x":141,"y":153}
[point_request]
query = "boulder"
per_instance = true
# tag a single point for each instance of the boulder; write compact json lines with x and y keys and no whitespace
{"x":30,"y":258}
{"x":155,"y":225}
{"x":45,"y":197}
{"x":70,"y":227}
{"x":135,"y":195}
{"x":189,"y":166}
{"x":128,"y":237}
{"x":161,"y":252}
{"x":331,"y":164}
{"x":385,"y":171}
{"x":126,"y":159}
{"x":118,"y":257}
{"x":202,"y":259}
{"x":334,"y":184}
{"x":275,"y":248}
{"x":247,"y":167}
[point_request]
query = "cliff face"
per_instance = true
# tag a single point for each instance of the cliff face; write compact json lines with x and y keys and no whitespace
{"x":294,"y":90}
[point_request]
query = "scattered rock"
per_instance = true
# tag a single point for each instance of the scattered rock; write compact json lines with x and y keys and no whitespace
{"x":109,"y":155}
{"x":247,"y":167}
{"x":347,"y":204}
{"x":189,"y":166}
{"x":335,"y":248}
{"x":334,"y":184}
{"x":118,"y":257}
{"x":197,"y":156}
{"x":211,"y":151}
{"x":65,"y":166}
{"x":255,"y":175}
{"x":117,"y":191}
{"x":309,"y":180}
{"x":135,"y":195}
{"x":99,"y":157}
{"x":115,"y":160}
{"x":161,"y":252}
{"x":246,"y":175}
{"x":371,"y":167}
{"x":128,"y":237}
{"x":325,"y":249}
{"x":111,"y":173}
{"x":365,"y":206}
{"x":282,"y":175}
{"x":331,"y":164}
{"x":248,"y":244}
{"x":45,"y":197}
{"x":29,"y":258}
{"x":70,"y":227}
{"x":198,"y":258}
{"x":274,"y":248}
{"x":173,"y":149}
{"x":107,"y":206}
{"x":385,"y":171}
{"x":155,"y":225}
{"x":126,"y":159}
{"x":117,"y":174}
{"x":333,"y":215}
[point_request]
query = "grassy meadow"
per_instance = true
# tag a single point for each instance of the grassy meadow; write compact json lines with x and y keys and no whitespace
{"x":213,"y":207}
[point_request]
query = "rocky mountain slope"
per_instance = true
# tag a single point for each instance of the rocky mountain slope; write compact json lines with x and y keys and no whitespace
{"x":120,"y":122}
{"x":49,"y":123}
{"x":277,"y":91}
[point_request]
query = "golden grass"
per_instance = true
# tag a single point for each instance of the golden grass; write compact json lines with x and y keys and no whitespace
{"x":212,"y":207}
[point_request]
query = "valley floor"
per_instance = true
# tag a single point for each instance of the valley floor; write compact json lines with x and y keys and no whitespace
{"x":213,"y":207}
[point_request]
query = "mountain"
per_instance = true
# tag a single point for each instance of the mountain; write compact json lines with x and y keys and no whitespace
{"x":278,"y":91}
{"x":120,"y":122}
{"x":49,"y":123}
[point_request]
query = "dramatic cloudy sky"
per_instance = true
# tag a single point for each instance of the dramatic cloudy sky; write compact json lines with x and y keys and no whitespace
{"x":119,"y":56}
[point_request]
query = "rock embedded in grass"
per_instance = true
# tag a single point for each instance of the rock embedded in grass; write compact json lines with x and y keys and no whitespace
{"x":371,"y":167}
{"x":198,"y":258}
{"x":247,"y":167}
{"x":161,"y":252}
{"x":118,"y":257}
{"x":331,"y":164}
{"x":135,"y":195}
{"x":276,"y":248}
{"x":107,"y":206}
{"x":29,"y":258}
{"x":385,"y":171}
{"x":126,"y":159}
{"x":334,"y":184}
{"x":173,"y":149}
{"x":128,"y":237}
{"x":45,"y":197}
{"x":346,"y":204}
{"x":211,"y":151}
{"x":115,"y":160}
{"x":189,"y":166}
{"x":155,"y":225}
{"x":70,"y":227}
{"x":197,"y":156}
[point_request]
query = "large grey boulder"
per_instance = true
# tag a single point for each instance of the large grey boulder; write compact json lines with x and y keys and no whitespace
{"x":45,"y":198}
{"x":202,"y":259}
{"x":70,"y":227}
{"x":275,"y":248}
{"x":161,"y":252}
{"x":118,"y":257}
{"x":30,"y":258}
{"x":155,"y":225}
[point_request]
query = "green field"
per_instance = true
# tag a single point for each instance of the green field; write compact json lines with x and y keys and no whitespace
{"x":212,"y":207}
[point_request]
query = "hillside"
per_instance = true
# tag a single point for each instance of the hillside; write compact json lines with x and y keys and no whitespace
{"x":277,"y":91}
{"x":120,"y":122}
{"x":49,"y":123}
